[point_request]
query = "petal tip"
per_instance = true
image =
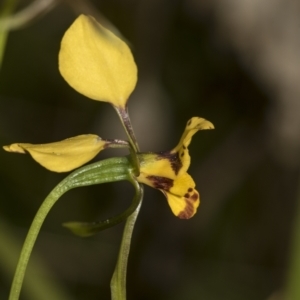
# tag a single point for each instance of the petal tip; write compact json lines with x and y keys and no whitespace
{"x":192,"y":202}
{"x":201,"y":123}
{"x":14,"y":148}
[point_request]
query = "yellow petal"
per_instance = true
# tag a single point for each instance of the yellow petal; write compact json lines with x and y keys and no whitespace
{"x":182,"y":197}
{"x":65,"y":155}
{"x":155,"y":165}
{"x":96,"y":63}
{"x":193,"y":125}
{"x":182,"y":207}
{"x":182,"y":185}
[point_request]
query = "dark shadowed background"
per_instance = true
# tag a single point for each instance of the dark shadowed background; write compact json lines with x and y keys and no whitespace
{"x":235,"y":63}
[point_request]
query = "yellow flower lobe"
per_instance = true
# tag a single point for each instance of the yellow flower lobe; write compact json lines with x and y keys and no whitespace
{"x":97,"y":63}
{"x":65,"y":155}
{"x":167,"y":172}
{"x":182,"y":197}
{"x":193,"y":125}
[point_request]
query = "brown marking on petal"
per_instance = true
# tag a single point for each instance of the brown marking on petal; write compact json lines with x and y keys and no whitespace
{"x":184,"y":147}
{"x":189,"y":122}
{"x":187,"y":195}
{"x":190,"y":190}
{"x":188,"y":211}
{"x":194,"y":197}
{"x":182,"y":154}
{"x":174,"y":159}
{"x":161,"y":183}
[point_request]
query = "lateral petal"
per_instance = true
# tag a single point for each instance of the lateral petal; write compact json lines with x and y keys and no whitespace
{"x":193,"y":125}
{"x":65,"y":155}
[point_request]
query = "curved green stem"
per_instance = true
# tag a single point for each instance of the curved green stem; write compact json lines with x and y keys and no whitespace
{"x":118,"y":281}
{"x":30,"y":240}
{"x":109,"y":170}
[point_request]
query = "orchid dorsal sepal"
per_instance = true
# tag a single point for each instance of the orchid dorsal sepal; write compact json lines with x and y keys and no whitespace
{"x":86,"y":229}
{"x":68,"y":154}
{"x":97,"y":63}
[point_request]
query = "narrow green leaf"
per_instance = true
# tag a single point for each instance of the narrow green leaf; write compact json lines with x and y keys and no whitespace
{"x":109,"y":170}
{"x":85,"y":229}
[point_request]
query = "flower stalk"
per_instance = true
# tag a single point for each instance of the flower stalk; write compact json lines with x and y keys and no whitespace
{"x":118,"y":281}
{"x":134,"y":148}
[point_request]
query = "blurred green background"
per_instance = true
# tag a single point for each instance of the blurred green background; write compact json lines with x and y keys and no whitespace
{"x":235,"y":63}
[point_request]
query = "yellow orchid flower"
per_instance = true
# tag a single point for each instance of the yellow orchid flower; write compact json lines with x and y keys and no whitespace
{"x":167,"y":171}
{"x":99,"y":65}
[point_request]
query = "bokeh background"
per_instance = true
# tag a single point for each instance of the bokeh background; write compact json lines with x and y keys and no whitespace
{"x":233,"y":62}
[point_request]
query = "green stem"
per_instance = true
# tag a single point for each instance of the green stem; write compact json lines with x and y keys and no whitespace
{"x":30,"y":240}
{"x":118,"y":281}
{"x":37,"y":286}
{"x":134,"y":147}
{"x":108,"y":170}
